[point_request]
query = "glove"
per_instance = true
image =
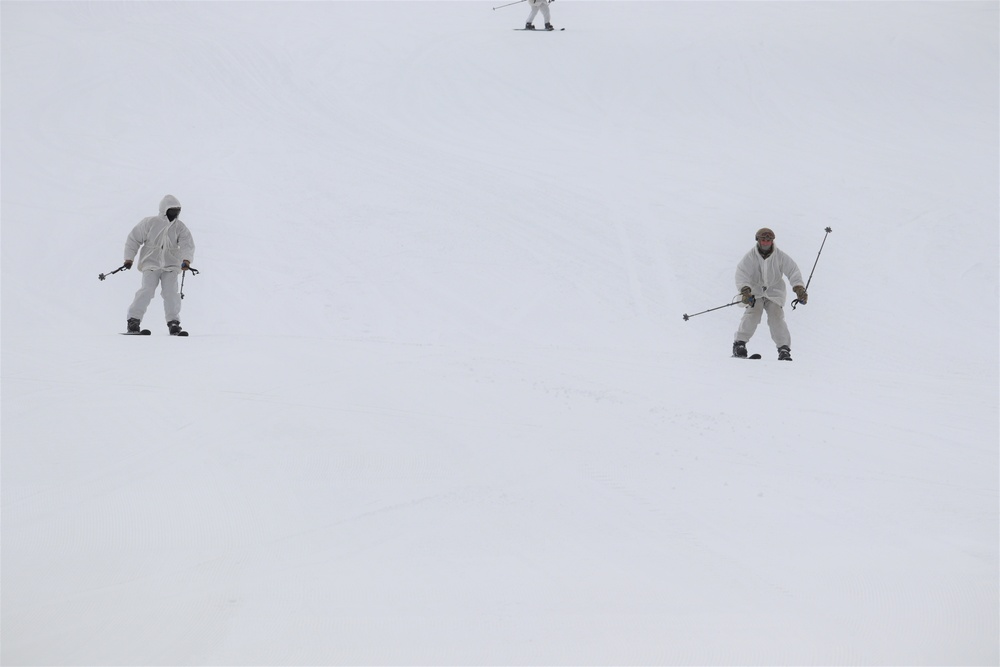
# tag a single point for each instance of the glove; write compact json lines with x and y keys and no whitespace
{"x":185,"y":265}
{"x":745,"y":293}
{"x":800,"y":292}
{"x":128,"y":263}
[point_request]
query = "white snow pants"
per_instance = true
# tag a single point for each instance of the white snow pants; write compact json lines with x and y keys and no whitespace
{"x":535,"y":6}
{"x":167,"y":280}
{"x":775,"y":321}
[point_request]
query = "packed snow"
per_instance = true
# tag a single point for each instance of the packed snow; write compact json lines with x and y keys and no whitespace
{"x":439,"y":404}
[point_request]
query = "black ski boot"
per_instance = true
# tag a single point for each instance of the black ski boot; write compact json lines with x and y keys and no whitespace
{"x":548,"y":26}
{"x":175,"y":328}
{"x":529,"y":26}
{"x":784,"y":353}
{"x":740,"y":349}
{"x":133,"y":326}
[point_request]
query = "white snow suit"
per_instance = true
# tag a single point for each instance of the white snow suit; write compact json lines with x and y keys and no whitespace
{"x":765,"y":278}
{"x":535,"y":6}
{"x":165,"y":244}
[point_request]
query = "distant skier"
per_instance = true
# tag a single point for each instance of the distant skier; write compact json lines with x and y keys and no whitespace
{"x":535,"y":6}
{"x":167,"y":249}
{"x":759,"y":278}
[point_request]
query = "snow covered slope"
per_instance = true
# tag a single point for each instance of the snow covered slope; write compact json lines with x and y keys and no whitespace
{"x":439,"y":405}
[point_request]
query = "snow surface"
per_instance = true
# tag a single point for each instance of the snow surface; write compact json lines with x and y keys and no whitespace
{"x":439,"y":404}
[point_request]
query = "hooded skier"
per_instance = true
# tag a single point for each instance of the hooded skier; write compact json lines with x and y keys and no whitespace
{"x":759,"y":278}
{"x":167,"y":249}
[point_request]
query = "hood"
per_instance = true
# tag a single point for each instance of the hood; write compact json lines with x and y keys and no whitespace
{"x":169,"y":201}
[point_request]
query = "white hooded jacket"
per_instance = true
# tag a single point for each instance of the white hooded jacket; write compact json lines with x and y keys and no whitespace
{"x":763,"y":275}
{"x":164,"y":243}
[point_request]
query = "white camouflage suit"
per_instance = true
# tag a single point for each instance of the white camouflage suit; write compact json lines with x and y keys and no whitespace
{"x":763,"y":275}
{"x":165,"y":244}
{"x":542,"y":5}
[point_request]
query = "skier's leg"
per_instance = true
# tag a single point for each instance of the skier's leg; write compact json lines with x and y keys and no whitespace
{"x":533,"y":14}
{"x":171,"y":296}
{"x":776,"y":323}
{"x":749,"y":321}
{"x":150,"y":279}
{"x":545,"y":12}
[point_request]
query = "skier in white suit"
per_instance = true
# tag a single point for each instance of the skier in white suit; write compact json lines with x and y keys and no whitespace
{"x":537,"y":5}
{"x":760,"y":280}
{"x":167,"y":249}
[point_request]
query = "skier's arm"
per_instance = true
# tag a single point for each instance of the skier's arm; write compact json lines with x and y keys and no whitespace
{"x":744,"y":274}
{"x":135,"y":239}
{"x":791,"y":271}
{"x":185,"y":244}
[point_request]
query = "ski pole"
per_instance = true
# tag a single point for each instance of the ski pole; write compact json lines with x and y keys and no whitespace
{"x":184,"y":275}
{"x":102,"y":276}
{"x":753,"y":300}
{"x":508,"y":4}
{"x":796,"y":302}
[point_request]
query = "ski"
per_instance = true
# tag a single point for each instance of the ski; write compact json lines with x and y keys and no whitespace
{"x":147,"y":332}
{"x":752,"y":356}
{"x":539,"y":29}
